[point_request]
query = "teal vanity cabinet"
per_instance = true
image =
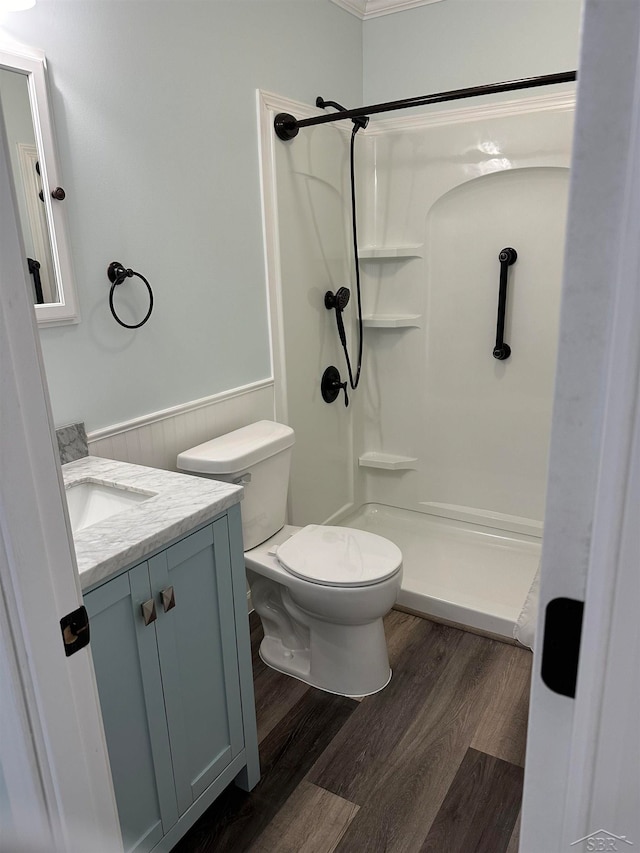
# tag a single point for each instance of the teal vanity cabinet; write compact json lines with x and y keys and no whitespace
{"x":170,"y":645}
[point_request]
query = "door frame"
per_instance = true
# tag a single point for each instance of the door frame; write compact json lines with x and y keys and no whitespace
{"x":575,"y":764}
{"x":53,"y":756}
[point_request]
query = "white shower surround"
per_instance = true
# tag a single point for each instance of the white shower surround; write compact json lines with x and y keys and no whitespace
{"x":444,"y":449}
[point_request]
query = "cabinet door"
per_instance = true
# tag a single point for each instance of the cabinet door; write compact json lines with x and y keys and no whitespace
{"x":125,"y":658}
{"x":198,"y":657}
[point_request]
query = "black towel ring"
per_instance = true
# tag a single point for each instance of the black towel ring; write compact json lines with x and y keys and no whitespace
{"x":116,"y":274}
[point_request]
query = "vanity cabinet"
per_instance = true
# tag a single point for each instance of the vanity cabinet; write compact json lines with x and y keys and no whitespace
{"x":170,"y":646}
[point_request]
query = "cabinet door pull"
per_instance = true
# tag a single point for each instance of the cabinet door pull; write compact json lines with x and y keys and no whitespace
{"x":149,"y":611}
{"x":168,"y":599}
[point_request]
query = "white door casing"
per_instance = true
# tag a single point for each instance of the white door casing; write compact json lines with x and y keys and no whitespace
{"x":582,"y":756}
{"x":52,"y":748}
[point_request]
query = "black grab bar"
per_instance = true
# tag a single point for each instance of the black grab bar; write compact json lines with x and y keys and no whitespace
{"x":507,"y":256}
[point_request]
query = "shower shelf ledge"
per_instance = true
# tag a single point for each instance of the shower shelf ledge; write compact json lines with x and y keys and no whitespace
{"x":392,"y":321}
{"x":390,"y":253}
{"x":387,"y":461}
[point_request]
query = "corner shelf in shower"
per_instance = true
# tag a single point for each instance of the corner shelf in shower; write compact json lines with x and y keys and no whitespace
{"x":387,"y":461}
{"x":392,"y":321}
{"x":390,"y":253}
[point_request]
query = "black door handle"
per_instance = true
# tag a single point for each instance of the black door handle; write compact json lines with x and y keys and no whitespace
{"x":561,"y":645}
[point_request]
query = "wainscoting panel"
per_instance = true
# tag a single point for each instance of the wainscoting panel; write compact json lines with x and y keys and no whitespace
{"x":156,"y":439}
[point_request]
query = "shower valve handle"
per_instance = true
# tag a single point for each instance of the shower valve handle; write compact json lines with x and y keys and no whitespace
{"x":331,"y":385}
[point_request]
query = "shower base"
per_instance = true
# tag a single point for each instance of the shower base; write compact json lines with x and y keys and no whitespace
{"x":475,"y":576}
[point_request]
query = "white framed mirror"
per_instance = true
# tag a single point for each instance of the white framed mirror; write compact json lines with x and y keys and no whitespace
{"x":39,"y":187}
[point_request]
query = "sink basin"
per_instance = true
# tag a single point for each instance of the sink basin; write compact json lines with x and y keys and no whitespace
{"x":91,"y":502}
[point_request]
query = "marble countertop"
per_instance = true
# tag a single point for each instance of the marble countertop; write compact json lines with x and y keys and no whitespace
{"x":180,"y":502}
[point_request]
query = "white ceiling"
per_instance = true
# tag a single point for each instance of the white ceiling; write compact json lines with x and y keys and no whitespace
{"x":365,"y":9}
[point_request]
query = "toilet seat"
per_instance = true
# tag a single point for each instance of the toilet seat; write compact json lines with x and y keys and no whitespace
{"x":339,"y":556}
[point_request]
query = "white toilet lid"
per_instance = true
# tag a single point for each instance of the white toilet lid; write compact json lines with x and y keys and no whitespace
{"x":339,"y":556}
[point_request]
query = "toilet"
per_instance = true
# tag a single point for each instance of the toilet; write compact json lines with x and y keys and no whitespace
{"x":321,"y":592}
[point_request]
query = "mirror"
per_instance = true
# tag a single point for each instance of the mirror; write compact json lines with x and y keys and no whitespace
{"x":39,"y":192}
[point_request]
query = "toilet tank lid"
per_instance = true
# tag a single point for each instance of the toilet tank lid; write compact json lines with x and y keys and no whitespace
{"x":238,"y":450}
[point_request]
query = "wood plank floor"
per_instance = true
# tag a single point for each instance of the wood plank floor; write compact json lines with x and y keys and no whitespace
{"x":434,"y":762}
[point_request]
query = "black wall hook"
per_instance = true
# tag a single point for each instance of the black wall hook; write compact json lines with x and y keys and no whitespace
{"x":117,"y":274}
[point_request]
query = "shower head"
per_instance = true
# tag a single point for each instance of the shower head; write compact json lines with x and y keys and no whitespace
{"x":338,"y":300}
{"x":343,"y":294}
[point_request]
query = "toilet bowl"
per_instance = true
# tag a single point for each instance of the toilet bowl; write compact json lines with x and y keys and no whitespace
{"x":326,"y":634}
{"x":321,"y":592}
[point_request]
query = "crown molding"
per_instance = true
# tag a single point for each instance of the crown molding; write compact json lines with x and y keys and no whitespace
{"x":354,"y":7}
{"x":365,"y":9}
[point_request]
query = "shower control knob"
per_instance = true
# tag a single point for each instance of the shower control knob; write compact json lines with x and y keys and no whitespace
{"x":331,"y":385}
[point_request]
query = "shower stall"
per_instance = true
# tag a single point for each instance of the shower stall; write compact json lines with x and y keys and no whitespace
{"x":443,"y":447}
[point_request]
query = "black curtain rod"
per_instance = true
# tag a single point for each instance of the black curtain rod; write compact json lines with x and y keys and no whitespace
{"x":286,"y":126}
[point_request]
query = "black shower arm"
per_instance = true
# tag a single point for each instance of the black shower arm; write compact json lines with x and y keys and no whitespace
{"x":286,"y":126}
{"x":359,"y":122}
{"x":323,"y":104}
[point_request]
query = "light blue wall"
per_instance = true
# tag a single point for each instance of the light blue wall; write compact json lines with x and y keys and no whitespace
{"x":155,"y":112}
{"x":154,"y":104}
{"x":458,"y":43}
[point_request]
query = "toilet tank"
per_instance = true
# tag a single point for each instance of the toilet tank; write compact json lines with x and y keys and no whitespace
{"x":258,"y":457}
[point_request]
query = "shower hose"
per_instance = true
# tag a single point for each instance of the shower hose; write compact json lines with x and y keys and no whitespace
{"x":354,"y":380}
